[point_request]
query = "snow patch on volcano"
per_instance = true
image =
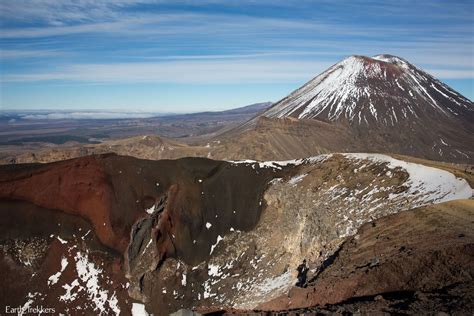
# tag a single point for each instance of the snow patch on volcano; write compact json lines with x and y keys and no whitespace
{"x":362,"y":89}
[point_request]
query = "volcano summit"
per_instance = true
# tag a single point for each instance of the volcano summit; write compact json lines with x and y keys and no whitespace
{"x":387,"y":103}
{"x":383,"y":90}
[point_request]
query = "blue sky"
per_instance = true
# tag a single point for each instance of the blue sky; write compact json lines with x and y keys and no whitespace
{"x":185,"y":56}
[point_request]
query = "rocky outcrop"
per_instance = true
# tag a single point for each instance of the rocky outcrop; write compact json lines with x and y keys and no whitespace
{"x":426,"y":251}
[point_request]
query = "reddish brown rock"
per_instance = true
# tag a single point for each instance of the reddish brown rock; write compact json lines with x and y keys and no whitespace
{"x":78,"y":187}
{"x":127,"y":204}
{"x":427,"y":249}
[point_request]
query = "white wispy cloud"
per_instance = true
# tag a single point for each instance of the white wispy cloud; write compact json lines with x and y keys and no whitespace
{"x":69,"y":17}
{"x":200,"y":72}
{"x":29,"y":53}
{"x":58,"y":12}
{"x":87,"y":115}
{"x":261,"y":48}
{"x":451,"y":73}
{"x":235,"y":71}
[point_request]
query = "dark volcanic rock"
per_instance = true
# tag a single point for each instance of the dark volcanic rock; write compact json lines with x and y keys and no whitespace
{"x":44,"y":252}
{"x":112,"y":192}
{"x":179,"y":206}
{"x":96,"y":234}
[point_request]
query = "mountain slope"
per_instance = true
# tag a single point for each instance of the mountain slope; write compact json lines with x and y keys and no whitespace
{"x":390,"y":105}
{"x":383,"y":90}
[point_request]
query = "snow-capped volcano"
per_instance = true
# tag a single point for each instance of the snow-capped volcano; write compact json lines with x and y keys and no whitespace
{"x":382,"y":104}
{"x":382,"y":90}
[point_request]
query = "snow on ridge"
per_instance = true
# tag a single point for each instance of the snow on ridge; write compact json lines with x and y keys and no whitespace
{"x":264,"y":164}
{"x":391,"y":59}
{"x":437,"y":185}
{"x":279,"y":164}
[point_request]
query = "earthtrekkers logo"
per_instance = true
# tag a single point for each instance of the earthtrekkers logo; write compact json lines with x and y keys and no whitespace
{"x":24,"y":310}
